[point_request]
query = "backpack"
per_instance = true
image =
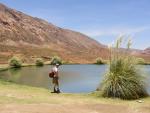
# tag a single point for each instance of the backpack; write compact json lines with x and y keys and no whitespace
{"x":51,"y":74}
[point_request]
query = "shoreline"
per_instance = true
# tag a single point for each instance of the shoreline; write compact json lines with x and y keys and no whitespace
{"x":20,"y":97}
{"x":4,"y":67}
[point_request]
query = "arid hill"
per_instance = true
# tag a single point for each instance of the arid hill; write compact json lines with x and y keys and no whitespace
{"x":147,"y":51}
{"x":143,"y":53}
{"x":31,"y":37}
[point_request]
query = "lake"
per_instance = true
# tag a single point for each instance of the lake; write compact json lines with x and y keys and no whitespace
{"x":73,"y":78}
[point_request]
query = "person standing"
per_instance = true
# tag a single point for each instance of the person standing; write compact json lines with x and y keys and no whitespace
{"x":55,"y":79}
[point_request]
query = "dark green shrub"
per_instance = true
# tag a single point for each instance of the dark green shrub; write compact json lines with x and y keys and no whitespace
{"x":123,"y":79}
{"x":99,"y":61}
{"x":56,"y":60}
{"x":15,"y":62}
{"x":39,"y":62}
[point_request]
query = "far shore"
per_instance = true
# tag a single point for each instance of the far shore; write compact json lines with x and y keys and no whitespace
{"x":4,"y":67}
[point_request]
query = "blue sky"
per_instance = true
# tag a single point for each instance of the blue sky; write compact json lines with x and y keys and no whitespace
{"x":102,"y":20}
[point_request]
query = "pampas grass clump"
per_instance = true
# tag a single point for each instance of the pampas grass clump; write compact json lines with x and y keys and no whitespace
{"x":123,"y":79}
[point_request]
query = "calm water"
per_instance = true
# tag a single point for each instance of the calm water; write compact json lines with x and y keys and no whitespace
{"x":73,"y":78}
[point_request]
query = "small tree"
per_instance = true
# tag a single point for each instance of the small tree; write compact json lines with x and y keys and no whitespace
{"x":56,"y":60}
{"x":39,"y":62}
{"x":123,"y":79}
{"x":99,"y":61}
{"x":15,"y":62}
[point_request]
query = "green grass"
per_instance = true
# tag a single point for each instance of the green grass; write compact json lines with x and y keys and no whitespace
{"x":14,"y":93}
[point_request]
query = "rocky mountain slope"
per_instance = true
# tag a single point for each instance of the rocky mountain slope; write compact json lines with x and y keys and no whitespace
{"x":147,"y":51}
{"x":143,"y":53}
{"x":31,"y":37}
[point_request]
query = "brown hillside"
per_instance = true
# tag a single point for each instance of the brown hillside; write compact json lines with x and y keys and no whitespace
{"x":142,"y":53}
{"x":31,"y":37}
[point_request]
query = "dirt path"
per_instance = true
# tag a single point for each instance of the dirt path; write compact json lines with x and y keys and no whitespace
{"x":70,"y":108}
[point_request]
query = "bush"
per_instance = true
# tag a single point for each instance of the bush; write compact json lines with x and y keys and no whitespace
{"x":39,"y":62}
{"x":15,"y":62}
{"x":99,"y":61}
{"x":123,"y":80}
{"x":141,"y":61}
{"x":56,"y":60}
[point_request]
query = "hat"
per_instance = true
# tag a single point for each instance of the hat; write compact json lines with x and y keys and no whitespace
{"x":57,"y":64}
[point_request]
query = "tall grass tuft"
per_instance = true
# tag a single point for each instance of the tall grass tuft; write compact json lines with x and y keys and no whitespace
{"x":123,"y":79}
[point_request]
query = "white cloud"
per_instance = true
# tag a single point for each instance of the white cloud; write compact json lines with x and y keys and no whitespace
{"x":114,"y":31}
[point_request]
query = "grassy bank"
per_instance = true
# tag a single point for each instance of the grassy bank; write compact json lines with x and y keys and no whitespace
{"x":14,"y":93}
{"x":25,"y":99}
{"x":4,"y":67}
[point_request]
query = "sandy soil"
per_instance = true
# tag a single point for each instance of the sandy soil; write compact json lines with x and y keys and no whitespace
{"x":71,"y":108}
